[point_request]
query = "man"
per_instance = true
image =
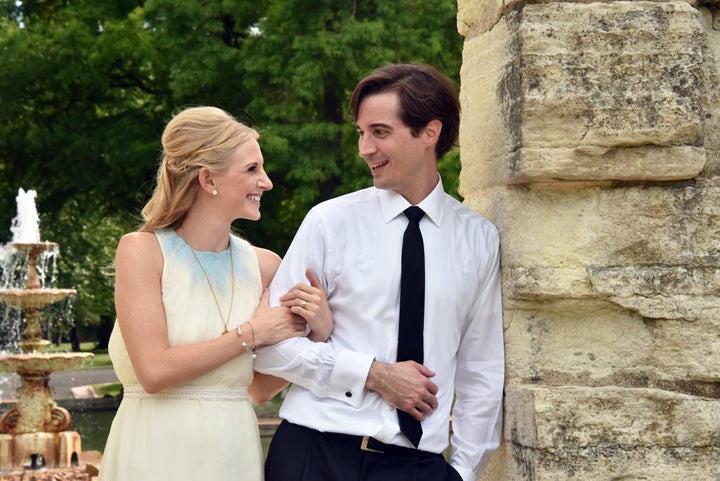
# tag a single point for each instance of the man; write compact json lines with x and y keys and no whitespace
{"x":341,"y":418}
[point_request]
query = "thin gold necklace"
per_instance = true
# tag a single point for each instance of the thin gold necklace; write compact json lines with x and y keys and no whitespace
{"x":225,"y":320}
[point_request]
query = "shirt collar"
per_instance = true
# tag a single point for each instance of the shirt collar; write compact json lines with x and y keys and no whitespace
{"x":393,"y":204}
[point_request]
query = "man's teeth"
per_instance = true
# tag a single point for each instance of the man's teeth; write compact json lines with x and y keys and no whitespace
{"x":378,"y":165}
{"x":256,"y":198}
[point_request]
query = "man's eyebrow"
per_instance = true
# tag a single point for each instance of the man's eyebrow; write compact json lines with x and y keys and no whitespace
{"x":375,"y":125}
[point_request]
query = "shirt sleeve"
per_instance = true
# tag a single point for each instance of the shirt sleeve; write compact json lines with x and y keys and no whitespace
{"x":477,"y":413}
{"x":325,"y":370}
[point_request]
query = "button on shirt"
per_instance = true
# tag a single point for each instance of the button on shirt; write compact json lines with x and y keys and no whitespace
{"x":353,"y":245}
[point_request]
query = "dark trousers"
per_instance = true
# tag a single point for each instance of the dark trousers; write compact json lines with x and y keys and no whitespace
{"x":298,"y":453}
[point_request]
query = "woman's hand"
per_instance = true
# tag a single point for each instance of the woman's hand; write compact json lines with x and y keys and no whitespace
{"x":310,"y":303}
{"x":271,"y":325}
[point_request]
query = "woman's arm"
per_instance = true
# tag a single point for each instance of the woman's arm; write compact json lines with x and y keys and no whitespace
{"x":141,"y":317}
{"x":264,"y":387}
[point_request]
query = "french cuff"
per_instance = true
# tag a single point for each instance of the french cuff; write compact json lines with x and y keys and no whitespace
{"x":466,"y":474}
{"x":347,"y":382}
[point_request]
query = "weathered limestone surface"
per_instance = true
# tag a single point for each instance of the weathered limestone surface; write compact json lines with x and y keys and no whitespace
{"x":591,"y":137}
{"x":592,"y":91}
{"x":611,"y":431}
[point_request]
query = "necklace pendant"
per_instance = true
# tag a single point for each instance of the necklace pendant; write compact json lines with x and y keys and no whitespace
{"x":212,"y":290}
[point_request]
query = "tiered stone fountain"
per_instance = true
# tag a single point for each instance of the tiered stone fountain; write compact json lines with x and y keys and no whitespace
{"x":34,"y":443}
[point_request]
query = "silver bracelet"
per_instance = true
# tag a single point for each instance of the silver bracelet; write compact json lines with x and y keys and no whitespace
{"x":244,"y":344}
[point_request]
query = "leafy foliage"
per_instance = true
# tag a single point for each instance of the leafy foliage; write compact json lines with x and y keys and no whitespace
{"x":88,"y":85}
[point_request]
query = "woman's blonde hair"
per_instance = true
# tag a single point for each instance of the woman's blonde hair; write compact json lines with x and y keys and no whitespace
{"x":196,"y":137}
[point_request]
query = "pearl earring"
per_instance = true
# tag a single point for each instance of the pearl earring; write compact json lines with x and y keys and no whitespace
{"x":214,"y":192}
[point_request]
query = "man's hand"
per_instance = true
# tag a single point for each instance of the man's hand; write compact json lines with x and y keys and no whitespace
{"x":405,"y":385}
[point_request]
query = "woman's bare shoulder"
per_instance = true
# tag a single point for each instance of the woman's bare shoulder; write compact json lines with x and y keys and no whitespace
{"x":139,"y":245}
{"x":268,"y":261}
{"x":266,"y":255}
{"x":139,"y":237}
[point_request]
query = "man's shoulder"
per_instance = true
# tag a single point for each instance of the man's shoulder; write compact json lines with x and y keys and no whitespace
{"x":467,"y":217}
{"x":344,"y":205}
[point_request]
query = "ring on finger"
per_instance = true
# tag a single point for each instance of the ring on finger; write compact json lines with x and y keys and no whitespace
{"x":303,"y":302}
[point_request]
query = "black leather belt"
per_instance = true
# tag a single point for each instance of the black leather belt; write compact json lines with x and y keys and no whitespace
{"x":366,"y":443}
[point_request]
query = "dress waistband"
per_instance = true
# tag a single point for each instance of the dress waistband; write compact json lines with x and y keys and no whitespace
{"x":200,"y":393}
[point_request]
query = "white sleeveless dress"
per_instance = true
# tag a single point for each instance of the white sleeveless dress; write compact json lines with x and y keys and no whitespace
{"x":207,"y":429}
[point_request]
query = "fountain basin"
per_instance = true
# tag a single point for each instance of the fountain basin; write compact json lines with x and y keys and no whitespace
{"x":33,"y":298}
{"x":59,"y":449}
{"x":35,"y":411}
{"x":38,"y":364}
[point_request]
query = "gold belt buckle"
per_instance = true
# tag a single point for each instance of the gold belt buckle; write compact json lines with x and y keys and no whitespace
{"x":364,"y":446}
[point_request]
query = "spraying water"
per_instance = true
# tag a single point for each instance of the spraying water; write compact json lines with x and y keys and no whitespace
{"x":26,"y":226}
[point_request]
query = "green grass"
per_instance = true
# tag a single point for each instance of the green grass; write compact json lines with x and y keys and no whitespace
{"x":105,"y":389}
{"x":101,"y":360}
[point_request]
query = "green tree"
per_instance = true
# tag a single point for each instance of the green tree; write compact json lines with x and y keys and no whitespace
{"x":88,"y":85}
{"x":78,"y":125}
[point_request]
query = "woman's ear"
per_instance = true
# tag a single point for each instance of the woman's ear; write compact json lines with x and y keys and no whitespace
{"x":206,"y":180}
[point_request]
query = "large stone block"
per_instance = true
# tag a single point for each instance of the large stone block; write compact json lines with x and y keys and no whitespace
{"x":489,"y":140}
{"x":576,"y":342}
{"x":587,"y":229}
{"x":577,"y":417}
{"x":586,"y":92}
{"x":593,"y":434}
{"x":597,"y":343}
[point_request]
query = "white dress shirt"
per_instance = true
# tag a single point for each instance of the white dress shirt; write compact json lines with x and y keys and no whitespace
{"x":353,"y":245}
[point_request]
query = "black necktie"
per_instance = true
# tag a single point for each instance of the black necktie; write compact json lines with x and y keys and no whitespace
{"x":412,"y":308}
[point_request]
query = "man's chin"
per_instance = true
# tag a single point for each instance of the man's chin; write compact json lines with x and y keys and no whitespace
{"x":379,"y":184}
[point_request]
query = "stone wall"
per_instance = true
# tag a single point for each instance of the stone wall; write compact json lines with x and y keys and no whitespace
{"x":591,"y":136}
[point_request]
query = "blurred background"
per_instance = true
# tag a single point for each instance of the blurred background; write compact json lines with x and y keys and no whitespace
{"x":86,"y":87}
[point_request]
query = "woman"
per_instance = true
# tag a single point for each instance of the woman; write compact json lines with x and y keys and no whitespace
{"x":192,"y":307}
